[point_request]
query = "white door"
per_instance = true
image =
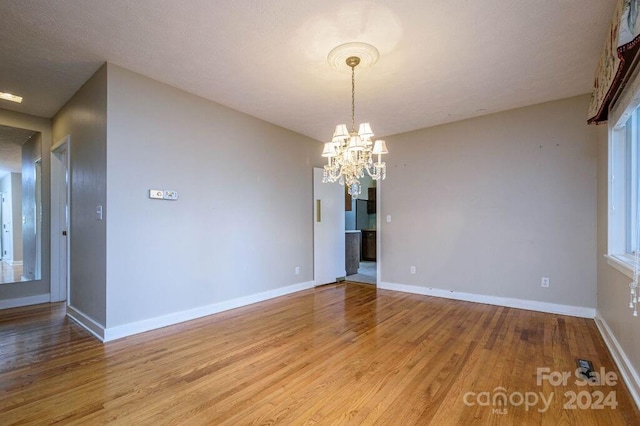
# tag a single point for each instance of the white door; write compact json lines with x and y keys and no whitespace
{"x":7,"y":229}
{"x":60,"y":220}
{"x":328,"y":230}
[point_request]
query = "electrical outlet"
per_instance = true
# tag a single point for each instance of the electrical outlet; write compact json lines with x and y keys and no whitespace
{"x":544,"y":282}
{"x":297,"y":270}
{"x":413,"y":270}
{"x":157,"y":194}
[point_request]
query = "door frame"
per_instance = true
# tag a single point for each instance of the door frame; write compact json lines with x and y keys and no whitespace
{"x":378,"y":231}
{"x":60,"y":220}
{"x":1,"y":226}
{"x":38,"y":215}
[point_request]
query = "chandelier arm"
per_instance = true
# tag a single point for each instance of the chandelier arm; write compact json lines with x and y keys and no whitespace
{"x":375,"y":175}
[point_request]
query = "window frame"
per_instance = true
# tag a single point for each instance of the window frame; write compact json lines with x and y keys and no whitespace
{"x":623,"y":141}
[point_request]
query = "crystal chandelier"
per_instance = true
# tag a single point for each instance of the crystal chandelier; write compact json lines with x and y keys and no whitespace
{"x":350,"y":154}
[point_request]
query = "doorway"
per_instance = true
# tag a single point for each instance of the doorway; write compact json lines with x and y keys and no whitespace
{"x":367,"y":270}
{"x":361,"y":234}
{"x":60,"y":220}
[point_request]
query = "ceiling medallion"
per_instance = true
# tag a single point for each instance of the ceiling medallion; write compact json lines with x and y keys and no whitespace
{"x":368,"y":55}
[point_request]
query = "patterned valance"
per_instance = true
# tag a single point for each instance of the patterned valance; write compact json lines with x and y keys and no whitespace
{"x":617,"y":61}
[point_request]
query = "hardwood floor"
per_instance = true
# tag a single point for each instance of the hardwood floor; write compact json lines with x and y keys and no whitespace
{"x":339,"y":354}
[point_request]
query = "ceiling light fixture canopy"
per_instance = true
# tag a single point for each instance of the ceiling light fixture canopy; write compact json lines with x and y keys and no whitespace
{"x":350,"y":152}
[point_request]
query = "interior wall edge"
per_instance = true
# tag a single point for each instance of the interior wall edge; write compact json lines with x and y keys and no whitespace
{"x":507,"y":302}
{"x":629,"y":374}
{"x":124,"y":330}
{"x":17,"y":302}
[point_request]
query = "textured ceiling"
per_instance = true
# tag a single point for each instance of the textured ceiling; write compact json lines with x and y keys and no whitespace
{"x":11,"y":140}
{"x":440,"y":61}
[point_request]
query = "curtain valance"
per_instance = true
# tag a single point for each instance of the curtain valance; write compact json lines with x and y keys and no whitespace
{"x":618,"y":59}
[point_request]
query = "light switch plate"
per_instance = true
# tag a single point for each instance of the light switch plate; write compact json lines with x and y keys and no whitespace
{"x":156,"y":194}
{"x":170,"y":195}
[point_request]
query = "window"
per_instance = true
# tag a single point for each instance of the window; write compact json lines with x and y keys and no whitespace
{"x":624,"y":187}
{"x":631,"y":183}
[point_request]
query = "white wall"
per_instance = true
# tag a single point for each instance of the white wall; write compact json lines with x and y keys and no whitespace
{"x":37,"y":291}
{"x":84,"y":119}
{"x":243,"y":220}
{"x":490,"y":205}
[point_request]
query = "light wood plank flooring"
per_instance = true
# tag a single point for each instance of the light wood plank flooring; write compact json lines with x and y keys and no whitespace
{"x":338,"y":354}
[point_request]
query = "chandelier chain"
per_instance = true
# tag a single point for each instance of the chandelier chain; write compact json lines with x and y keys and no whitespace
{"x":353,"y":98}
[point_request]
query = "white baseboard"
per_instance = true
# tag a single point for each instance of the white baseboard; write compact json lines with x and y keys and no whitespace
{"x":86,"y":322}
{"x":530,"y":305}
{"x":629,"y":374}
{"x":25,"y":301}
{"x":117,"y":332}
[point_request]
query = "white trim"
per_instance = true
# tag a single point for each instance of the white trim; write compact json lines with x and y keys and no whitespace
{"x":24,"y":301}
{"x":119,"y":331}
{"x":620,"y":265}
{"x":629,"y":374}
{"x":60,"y":142}
{"x":531,"y":305}
{"x":13,"y":262}
{"x":86,"y":322}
